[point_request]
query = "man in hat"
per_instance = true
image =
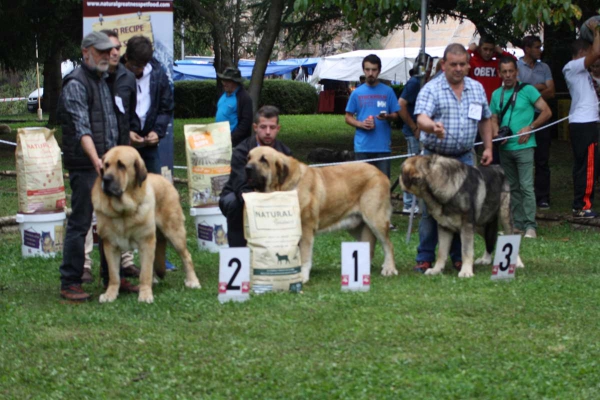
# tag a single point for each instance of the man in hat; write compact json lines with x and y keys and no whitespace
{"x":90,"y":128}
{"x":235,"y":105}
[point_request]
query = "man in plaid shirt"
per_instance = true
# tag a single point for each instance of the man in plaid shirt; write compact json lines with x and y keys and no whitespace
{"x":450,"y":110}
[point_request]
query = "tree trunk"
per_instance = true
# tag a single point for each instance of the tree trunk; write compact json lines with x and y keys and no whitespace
{"x":265,"y":48}
{"x":52,"y":85}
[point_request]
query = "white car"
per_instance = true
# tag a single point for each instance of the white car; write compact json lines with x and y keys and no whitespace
{"x":32,"y":100}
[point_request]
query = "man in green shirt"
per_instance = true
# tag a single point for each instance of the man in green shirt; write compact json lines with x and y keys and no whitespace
{"x":516,"y":111}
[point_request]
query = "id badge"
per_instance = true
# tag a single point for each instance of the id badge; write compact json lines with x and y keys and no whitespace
{"x":475,"y":110}
{"x":119,"y":103}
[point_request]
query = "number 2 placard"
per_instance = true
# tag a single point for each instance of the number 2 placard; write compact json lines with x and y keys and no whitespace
{"x":234,"y":274}
{"x":505,"y":260}
{"x":356,"y":266}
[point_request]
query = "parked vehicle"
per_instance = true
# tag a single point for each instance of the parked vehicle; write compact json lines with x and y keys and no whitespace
{"x":32,"y":100}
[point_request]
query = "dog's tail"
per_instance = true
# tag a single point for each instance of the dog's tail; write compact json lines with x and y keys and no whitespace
{"x":160,"y":256}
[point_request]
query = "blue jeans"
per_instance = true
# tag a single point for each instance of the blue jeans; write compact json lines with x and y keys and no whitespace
{"x":78,"y":224}
{"x":151,"y":158}
{"x":384,"y":166}
{"x":413,"y":148}
{"x":428,"y":232}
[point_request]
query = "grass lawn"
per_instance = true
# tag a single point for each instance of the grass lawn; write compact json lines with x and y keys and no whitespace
{"x":411,"y":336}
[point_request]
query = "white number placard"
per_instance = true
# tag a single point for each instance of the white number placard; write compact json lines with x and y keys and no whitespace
{"x":234,"y":274}
{"x":505,"y":259}
{"x":356,"y":266}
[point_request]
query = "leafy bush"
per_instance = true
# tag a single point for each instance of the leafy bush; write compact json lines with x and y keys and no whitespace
{"x":198,"y":99}
{"x":397,"y":89}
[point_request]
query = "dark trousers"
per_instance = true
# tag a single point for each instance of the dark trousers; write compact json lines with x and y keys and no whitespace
{"x":584,"y":141}
{"x":233,"y":209}
{"x":151,"y":158}
{"x":384,"y":166}
{"x":541,"y":157}
{"x":78,"y":225}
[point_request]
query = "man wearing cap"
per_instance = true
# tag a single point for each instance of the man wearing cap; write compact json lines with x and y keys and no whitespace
{"x":235,"y":105}
{"x":90,"y":128}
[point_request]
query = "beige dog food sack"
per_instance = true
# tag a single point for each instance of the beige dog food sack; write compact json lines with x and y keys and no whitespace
{"x":208,"y":153}
{"x":40,"y":182}
{"x":272,"y":227}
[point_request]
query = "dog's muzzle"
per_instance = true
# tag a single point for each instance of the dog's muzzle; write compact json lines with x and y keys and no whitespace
{"x":110,"y":186}
{"x":255,"y":180}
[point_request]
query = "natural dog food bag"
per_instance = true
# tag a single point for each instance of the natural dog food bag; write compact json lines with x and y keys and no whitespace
{"x":208,"y":153}
{"x":39,"y":171}
{"x":272,"y":227}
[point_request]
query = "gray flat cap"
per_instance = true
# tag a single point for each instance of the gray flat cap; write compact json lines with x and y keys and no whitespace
{"x":98,"y":40}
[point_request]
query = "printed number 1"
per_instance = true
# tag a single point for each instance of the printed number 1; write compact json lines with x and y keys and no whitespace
{"x":230,"y":285}
{"x":508,"y":248}
{"x":355,"y":256}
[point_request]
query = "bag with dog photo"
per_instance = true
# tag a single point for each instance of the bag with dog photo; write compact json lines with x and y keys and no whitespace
{"x":40,"y":183}
{"x":272,"y":227}
{"x":208,"y":153}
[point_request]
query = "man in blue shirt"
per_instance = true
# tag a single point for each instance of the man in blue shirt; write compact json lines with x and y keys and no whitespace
{"x":235,"y":106}
{"x":450,"y":110}
{"x":370,"y":110}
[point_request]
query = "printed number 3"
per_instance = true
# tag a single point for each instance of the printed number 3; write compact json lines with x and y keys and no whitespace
{"x":230,"y":285}
{"x":508,"y":248}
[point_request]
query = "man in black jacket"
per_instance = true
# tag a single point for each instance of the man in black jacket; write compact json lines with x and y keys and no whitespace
{"x":235,"y":106}
{"x":154,"y":100}
{"x":266,"y":127}
{"x":89,"y":128}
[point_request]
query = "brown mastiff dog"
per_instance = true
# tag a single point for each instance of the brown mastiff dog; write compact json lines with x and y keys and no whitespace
{"x":135,"y":209}
{"x":353,"y":196}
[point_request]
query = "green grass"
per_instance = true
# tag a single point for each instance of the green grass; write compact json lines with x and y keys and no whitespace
{"x":411,"y":336}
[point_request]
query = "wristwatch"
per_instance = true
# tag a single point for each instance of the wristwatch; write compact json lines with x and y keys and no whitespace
{"x":531,"y":127}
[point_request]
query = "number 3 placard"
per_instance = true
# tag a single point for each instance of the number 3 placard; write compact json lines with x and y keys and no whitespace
{"x":234,"y":274}
{"x":505,"y":260}
{"x":356,"y":266}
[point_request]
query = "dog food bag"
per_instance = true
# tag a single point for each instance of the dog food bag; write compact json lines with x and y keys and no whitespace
{"x":40,"y":182}
{"x":273,"y":229}
{"x":208,"y":153}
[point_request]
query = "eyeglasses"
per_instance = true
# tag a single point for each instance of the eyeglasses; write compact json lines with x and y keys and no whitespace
{"x":117,"y":48}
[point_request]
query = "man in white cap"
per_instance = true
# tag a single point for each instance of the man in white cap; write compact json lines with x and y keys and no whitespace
{"x":90,"y":129}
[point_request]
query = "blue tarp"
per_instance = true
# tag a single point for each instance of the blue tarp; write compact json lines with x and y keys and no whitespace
{"x":187,"y":70}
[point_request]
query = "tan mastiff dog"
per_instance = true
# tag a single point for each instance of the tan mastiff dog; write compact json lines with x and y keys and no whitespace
{"x":135,"y":209}
{"x":355,"y":197}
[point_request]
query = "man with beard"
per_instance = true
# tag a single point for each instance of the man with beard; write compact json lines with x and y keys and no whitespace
{"x":375,"y":106}
{"x":89,"y":128}
{"x":450,"y":110}
{"x":266,"y":127}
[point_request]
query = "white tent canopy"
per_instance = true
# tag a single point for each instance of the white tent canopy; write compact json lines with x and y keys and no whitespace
{"x":395,"y":63}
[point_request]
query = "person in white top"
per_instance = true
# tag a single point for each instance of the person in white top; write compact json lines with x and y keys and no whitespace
{"x":583,"y":118}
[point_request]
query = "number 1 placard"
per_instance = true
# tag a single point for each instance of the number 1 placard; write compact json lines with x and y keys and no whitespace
{"x":356,"y":266}
{"x":234,"y":274}
{"x":505,"y":260}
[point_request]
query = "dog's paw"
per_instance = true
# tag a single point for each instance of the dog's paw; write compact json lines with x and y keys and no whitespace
{"x":192,"y":284}
{"x":390,"y":271}
{"x":107,"y":298}
{"x":146,"y":296}
{"x":485,"y":259}
{"x":433,"y":271}
{"x":520,"y":262}
{"x":465,"y":274}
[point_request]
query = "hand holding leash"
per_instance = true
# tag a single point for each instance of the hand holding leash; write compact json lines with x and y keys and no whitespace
{"x":438,"y":130}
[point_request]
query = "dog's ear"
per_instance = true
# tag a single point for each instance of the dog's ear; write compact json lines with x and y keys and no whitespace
{"x":141,"y":173}
{"x":282,"y":171}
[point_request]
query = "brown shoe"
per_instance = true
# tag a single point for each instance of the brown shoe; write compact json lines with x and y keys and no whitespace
{"x":87,"y":276}
{"x":422,"y":266}
{"x":131,"y":271}
{"x":74,"y":292}
{"x":457,"y":265}
{"x":126,"y":287}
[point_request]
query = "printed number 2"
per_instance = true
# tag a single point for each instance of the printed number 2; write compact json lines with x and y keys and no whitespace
{"x":355,"y":256}
{"x":230,"y":285}
{"x":508,"y":248}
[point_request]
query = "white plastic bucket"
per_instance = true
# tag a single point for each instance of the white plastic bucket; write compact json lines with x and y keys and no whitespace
{"x":211,"y":228}
{"x":42,"y":234}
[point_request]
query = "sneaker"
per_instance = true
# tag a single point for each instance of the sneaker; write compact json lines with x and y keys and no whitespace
{"x":126,"y":287}
{"x":131,"y":271}
{"x":87,"y":276}
{"x":406,"y":210}
{"x":169,"y":266}
{"x":584,"y":214}
{"x":422,"y":266}
{"x":74,"y":292}
{"x":457,"y":265}
{"x":543,"y":205}
{"x":393,"y":227}
{"x":530,"y":233}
